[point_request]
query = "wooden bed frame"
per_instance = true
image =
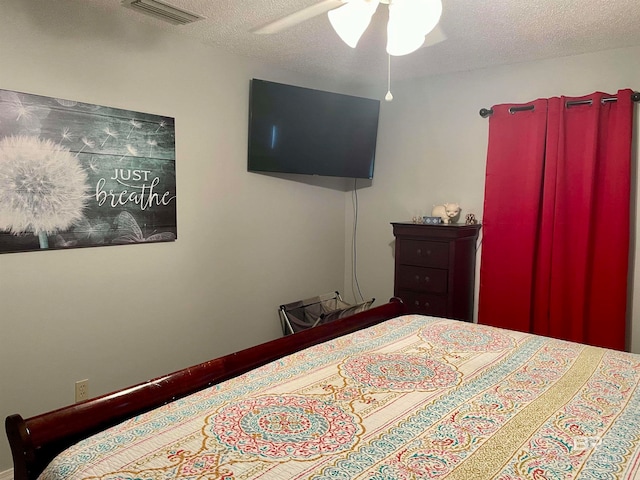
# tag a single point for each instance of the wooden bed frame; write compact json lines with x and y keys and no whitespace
{"x":37,"y":440}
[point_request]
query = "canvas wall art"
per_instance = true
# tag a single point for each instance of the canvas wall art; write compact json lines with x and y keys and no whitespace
{"x":74,"y":174}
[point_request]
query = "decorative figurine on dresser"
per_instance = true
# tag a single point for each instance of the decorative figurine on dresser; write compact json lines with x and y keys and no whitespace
{"x":435,"y":268}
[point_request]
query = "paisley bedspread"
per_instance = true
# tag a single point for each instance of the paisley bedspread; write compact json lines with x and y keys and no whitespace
{"x":413,"y":398}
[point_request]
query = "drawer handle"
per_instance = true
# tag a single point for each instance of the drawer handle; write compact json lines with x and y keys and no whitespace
{"x":426,"y":279}
{"x":426,"y":304}
{"x":419,"y":252}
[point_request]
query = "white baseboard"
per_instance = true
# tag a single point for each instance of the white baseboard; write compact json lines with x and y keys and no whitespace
{"x":6,"y":475}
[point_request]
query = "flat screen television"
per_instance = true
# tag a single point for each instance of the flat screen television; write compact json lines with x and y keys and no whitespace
{"x":312,"y":132}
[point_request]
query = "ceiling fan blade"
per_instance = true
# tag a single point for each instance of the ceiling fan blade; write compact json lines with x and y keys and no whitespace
{"x":435,"y":36}
{"x":298,"y":17}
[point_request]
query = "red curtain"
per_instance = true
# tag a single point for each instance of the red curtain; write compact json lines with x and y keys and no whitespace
{"x":556,"y":218}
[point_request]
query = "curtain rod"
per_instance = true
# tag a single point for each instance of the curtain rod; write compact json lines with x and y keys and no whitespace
{"x":485,"y":112}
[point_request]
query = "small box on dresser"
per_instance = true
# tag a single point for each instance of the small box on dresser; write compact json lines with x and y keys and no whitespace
{"x":435,"y":268}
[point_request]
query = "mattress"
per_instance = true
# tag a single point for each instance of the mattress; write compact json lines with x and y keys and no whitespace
{"x":414,"y":397}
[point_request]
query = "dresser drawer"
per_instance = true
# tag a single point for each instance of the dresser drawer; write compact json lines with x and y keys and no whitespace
{"x":422,"y":279}
{"x":424,"y":303}
{"x":423,"y":253}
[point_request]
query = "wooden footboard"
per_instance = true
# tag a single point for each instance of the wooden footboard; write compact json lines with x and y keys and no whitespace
{"x":35,"y":441}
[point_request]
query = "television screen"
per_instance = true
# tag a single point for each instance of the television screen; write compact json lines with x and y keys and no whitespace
{"x":300,"y":130}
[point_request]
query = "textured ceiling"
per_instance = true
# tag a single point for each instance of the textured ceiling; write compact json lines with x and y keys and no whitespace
{"x":480,"y":33}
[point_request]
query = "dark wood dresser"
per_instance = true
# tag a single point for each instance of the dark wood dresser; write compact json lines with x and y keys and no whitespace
{"x":435,"y":268}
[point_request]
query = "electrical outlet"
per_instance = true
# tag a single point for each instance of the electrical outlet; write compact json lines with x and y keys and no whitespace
{"x":82,"y":390}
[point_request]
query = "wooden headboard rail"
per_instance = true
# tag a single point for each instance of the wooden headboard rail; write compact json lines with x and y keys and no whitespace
{"x":37,"y":440}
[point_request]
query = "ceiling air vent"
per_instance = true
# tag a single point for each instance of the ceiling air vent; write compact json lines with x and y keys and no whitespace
{"x":163,"y":11}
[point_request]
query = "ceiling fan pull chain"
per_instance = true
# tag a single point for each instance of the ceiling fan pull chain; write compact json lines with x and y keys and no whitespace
{"x":388,"y":97}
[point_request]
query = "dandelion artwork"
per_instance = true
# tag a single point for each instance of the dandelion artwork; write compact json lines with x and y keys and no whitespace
{"x":42,"y":187}
{"x":74,"y":175}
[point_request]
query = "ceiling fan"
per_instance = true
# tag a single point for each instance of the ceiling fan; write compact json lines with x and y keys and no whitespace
{"x":412,"y":23}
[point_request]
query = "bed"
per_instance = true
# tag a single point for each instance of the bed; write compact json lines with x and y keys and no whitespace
{"x":380,"y":395}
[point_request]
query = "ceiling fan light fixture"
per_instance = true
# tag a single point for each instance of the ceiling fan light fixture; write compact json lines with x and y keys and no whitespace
{"x":402,"y":43}
{"x":352,"y":19}
{"x":409,"y":22}
{"x":419,"y":15}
